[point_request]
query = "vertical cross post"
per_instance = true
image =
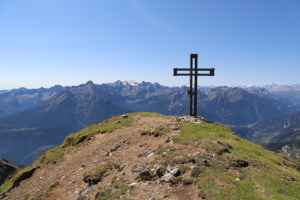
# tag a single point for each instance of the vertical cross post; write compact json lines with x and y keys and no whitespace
{"x":193,"y":71}
{"x":190,"y":92}
{"x":195,"y":56}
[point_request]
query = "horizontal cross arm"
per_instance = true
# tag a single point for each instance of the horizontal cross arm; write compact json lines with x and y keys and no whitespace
{"x":193,"y":69}
{"x":211,"y":72}
{"x":194,"y":74}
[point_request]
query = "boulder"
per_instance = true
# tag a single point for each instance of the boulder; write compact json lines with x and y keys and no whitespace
{"x":167,"y":177}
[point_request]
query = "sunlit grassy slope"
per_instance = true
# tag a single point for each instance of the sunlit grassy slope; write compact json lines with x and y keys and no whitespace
{"x":268,"y":175}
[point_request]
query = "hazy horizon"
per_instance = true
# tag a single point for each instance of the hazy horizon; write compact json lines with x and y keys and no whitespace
{"x":238,"y":85}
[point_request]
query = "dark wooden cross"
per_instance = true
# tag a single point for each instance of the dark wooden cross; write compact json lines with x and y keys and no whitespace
{"x":193,"y":72}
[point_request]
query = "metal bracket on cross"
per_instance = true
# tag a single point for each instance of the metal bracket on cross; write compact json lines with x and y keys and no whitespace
{"x":193,"y":72}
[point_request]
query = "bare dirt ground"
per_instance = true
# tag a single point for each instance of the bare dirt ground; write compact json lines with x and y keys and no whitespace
{"x":134,"y":154}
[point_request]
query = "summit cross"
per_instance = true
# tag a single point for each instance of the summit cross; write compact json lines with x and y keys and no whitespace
{"x":193,"y":71}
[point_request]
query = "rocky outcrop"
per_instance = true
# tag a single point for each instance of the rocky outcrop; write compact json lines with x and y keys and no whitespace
{"x":6,"y":169}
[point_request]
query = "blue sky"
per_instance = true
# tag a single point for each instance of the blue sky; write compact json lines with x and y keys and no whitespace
{"x":68,"y":42}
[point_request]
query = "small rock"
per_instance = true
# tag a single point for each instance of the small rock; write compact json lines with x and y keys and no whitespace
{"x":147,"y":132}
{"x":132,"y":184}
{"x":167,"y":140}
{"x":150,"y":155}
{"x":237,"y":179}
{"x":160,"y":127}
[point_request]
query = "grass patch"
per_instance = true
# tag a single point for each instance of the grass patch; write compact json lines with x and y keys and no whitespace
{"x":149,"y":114}
{"x":119,"y":188}
{"x":192,"y":132}
{"x":216,"y":183}
{"x":51,"y":155}
{"x":53,"y":184}
{"x":5,"y":186}
{"x":95,"y":175}
{"x":101,"y":128}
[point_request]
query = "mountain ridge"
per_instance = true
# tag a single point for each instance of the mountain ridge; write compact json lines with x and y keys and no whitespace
{"x":18,"y":100}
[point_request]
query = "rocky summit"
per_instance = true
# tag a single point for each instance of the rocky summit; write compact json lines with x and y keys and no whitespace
{"x":151,"y":156}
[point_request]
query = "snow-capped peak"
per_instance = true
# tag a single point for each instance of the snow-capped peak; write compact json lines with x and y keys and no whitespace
{"x":133,"y":83}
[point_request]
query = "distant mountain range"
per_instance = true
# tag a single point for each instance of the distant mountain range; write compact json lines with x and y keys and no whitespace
{"x":292,"y":93}
{"x":285,"y":92}
{"x":21,"y":99}
{"x":35,"y":120}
